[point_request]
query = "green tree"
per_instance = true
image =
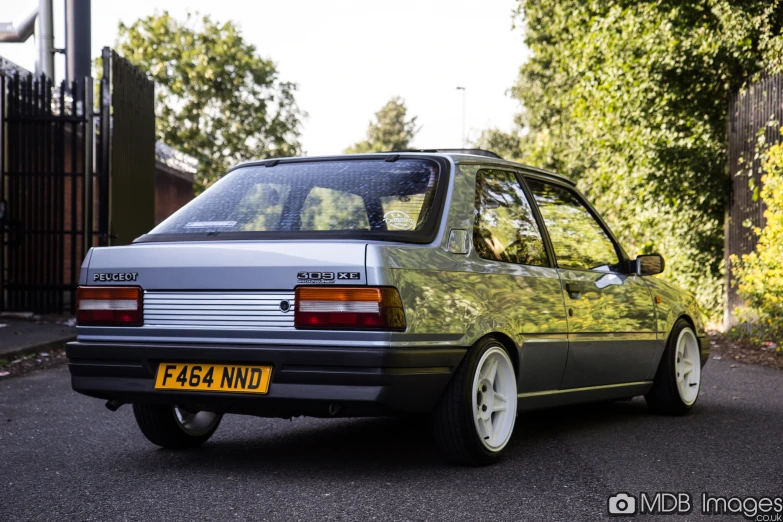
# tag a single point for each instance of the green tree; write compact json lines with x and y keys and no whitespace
{"x":508,"y":145}
{"x":216,"y":99}
{"x":390,"y":130}
{"x":629,"y":98}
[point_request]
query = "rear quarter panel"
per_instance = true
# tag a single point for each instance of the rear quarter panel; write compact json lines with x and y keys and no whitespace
{"x":455,"y":299}
{"x":445,"y":303}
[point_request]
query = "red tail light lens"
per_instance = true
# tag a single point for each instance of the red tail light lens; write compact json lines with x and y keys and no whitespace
{"x":349,"y":308}
{"x":109,"y":306}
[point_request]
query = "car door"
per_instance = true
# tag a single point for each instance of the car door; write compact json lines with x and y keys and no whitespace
{"x":519,"y":273}
{"x":611,"y":320}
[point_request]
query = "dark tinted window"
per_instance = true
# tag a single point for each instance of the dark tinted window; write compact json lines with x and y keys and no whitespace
{"x":505,"y":228}
{"x":578,"y":239}
{"x":329,"y":196}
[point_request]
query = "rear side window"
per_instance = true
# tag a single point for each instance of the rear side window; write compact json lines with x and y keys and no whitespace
{"x":577,"y":237}
{"x":298,"y":198}
{"x":505,"y":229}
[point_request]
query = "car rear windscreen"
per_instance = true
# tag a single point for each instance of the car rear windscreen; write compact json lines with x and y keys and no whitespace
{"x":313,"y":197}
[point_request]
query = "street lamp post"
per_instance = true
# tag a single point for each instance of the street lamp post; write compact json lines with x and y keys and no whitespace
{"x":464,"y":91}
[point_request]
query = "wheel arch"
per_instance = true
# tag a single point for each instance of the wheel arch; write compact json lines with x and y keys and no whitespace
{"x":510,"y":346}
{"x":656,"y":363}
{"x":688,"y":319}
{"x":669,"y":395}
{"x":703,"y":341}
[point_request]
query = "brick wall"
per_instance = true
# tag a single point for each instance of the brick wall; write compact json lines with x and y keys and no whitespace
{"x":173,"y":189}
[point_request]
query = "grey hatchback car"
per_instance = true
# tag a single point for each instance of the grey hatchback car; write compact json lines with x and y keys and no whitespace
{"x":451,"y":284}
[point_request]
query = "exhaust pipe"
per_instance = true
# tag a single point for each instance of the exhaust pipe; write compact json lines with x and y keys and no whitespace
{"x":114,"y":404}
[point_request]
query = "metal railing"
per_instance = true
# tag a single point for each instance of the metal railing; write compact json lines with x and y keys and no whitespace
{"x":46,"y":173}
{"x":60,"y":202}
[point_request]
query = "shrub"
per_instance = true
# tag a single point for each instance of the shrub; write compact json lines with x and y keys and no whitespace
{"x":759,"y":275}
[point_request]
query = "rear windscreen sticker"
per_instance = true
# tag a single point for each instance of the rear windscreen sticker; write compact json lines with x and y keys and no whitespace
{"x":211,"y":224}
{"x":398,"y":219}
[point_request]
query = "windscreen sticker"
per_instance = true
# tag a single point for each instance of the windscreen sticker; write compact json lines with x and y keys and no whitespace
{"x":398,"y":219}
{"x":211,"y":224}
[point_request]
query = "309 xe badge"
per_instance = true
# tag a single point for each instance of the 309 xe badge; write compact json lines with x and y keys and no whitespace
{"x":327,"y":277}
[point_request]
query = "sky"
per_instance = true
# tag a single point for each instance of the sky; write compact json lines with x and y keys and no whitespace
{"x":349,"y":57}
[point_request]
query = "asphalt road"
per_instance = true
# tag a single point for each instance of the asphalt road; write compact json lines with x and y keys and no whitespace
{"x":65,"y":457}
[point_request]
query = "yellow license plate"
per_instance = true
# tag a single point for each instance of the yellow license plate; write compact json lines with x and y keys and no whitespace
{"x":213,"y":377}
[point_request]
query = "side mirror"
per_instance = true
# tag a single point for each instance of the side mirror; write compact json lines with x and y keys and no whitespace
{"x":649,"y":264}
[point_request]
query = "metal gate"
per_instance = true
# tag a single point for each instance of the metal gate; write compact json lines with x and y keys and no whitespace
{"x":129,"y":157}
{"x":58,"y":204}
{"x":46,"y":178}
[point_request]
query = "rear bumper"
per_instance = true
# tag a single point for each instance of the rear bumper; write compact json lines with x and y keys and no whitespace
{"x":306,"y":380}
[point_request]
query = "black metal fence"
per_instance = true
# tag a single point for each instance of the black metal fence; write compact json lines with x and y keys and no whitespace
{"x":131,"y":157}
{"x":46,"y":170}
{"x":755,"y":118}
{"x":58,"y":203}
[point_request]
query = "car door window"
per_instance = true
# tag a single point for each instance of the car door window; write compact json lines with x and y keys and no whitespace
{"x":578,"y":239}
{"x":505,"y":229}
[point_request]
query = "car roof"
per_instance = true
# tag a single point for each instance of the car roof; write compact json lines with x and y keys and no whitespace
{"x":458,"y":156}
{"x":464,"y":158}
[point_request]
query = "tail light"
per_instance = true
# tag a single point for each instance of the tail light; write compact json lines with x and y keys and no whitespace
{"x":109,"y":306}
{"x":349,"y":308}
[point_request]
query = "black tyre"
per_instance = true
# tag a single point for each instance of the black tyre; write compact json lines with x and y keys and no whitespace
{"x":678,"y":379}
{"x":173,"y":427}
{"x":475,"y":417}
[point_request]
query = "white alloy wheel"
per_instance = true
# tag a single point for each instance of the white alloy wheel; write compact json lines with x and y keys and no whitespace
{"x":195,"y":423}
{"x":494,"y":399}
{"x":687,"y":365}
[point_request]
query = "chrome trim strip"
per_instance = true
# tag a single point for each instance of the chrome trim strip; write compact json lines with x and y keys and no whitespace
{"x":192,"y":314}
{"x":546,"y":337}
{"x":613,"y":336}
{"x":218,"y":309}
{"x":588,"y":388}
{"x":220,"y":295}
{"x":273,"y":339}
{"x":212,"y":322}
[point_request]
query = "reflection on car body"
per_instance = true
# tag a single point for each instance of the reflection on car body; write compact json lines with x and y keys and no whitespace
{"x":456,"y":285}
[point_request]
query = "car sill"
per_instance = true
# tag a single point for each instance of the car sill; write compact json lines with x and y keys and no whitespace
{"x":588,"y":388}
{"x":608,"y":392}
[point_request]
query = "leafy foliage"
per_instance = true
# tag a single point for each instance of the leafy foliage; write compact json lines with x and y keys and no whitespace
{"x":759,"y":275}
{"x":216,"y":99}
{"x":508,"y":145}
{"x":390,"y":130}
{"x":629,"y":98}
